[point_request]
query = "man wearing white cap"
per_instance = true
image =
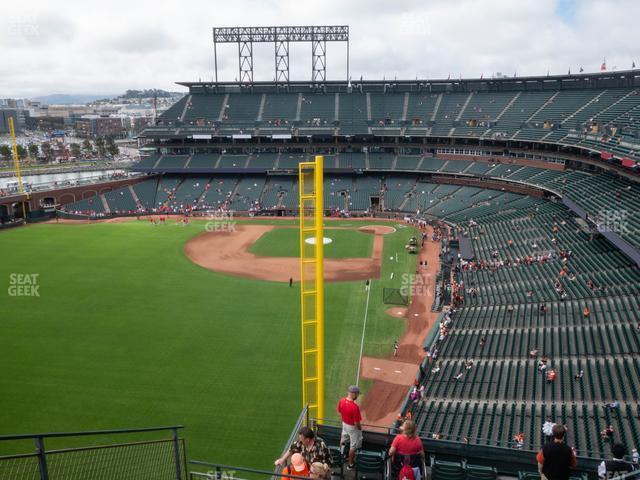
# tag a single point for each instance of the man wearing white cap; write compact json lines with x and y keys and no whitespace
{"x":351,"y":427}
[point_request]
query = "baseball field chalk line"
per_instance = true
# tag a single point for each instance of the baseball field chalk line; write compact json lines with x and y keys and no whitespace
{"x":364,"y":326}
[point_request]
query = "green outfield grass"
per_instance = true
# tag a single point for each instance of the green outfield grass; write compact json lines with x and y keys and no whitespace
{"x":127,"y":332}
{"x":285,"y":242}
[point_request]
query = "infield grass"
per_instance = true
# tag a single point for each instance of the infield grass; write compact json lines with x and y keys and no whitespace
{"x":285,"y":242}
{"x":127,"y":332}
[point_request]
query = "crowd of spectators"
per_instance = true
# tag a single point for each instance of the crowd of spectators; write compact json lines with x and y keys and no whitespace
{"x":309,"y":455}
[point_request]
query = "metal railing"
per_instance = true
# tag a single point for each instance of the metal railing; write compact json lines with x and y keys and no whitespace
{"x":379,"y":438}
{"x":332,"y":422}
{"x":157,"y":458}
{"x":303,"y":420}
{"x":471,"y":441}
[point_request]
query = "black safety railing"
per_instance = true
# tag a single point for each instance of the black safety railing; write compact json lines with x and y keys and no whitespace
{"x":303,"y":420}
{"x":161,"y":457}
{"x":388,"y":430}
{"x":471,"y":441}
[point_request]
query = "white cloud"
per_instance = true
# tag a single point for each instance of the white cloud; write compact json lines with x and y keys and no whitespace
{"x":111,"y":46}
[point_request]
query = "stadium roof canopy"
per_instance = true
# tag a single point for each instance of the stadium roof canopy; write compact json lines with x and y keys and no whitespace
{"x":618,"y":79}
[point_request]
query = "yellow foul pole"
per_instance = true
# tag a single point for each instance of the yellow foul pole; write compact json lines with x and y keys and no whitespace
{"x":319,"y":188}
{"x":312,"y":284}
{"x":16,"y":162}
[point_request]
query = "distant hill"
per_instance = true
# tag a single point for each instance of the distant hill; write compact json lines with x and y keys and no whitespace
{"x":66,"y":99}
{"x":148,"y":93}
{"x":69,"y":99}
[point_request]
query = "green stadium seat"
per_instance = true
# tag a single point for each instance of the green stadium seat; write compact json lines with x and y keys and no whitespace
{"x":444,"y":470}
{"x":479,"y":472}
{"x":528,"y":476}
{"x":370,"y":465}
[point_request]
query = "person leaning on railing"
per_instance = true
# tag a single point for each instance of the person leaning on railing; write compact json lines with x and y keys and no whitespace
{"x":311,"y":447}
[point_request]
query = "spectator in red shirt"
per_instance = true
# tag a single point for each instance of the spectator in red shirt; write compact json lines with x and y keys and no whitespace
{"x":351,"y":427}
{"x":407,"y":444}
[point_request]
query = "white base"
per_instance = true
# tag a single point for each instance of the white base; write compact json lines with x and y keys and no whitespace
{"x":312,"y":241}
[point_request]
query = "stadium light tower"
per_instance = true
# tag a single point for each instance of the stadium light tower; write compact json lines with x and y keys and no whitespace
{"x":245,"y":37}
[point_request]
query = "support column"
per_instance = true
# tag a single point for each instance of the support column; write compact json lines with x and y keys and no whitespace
{"x":245,"y":59}
{"x":282,"y":61}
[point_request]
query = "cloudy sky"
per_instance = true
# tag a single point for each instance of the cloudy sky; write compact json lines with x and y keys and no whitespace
{"x":106,"y":47}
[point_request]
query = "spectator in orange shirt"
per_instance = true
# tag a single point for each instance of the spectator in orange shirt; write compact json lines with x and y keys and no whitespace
{"x":298,"y":466}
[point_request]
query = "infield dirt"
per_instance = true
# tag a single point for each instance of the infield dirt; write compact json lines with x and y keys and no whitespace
{"x":228,"y":252}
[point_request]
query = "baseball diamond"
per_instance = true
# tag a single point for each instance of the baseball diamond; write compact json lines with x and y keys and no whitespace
{"x":362,"y":279}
